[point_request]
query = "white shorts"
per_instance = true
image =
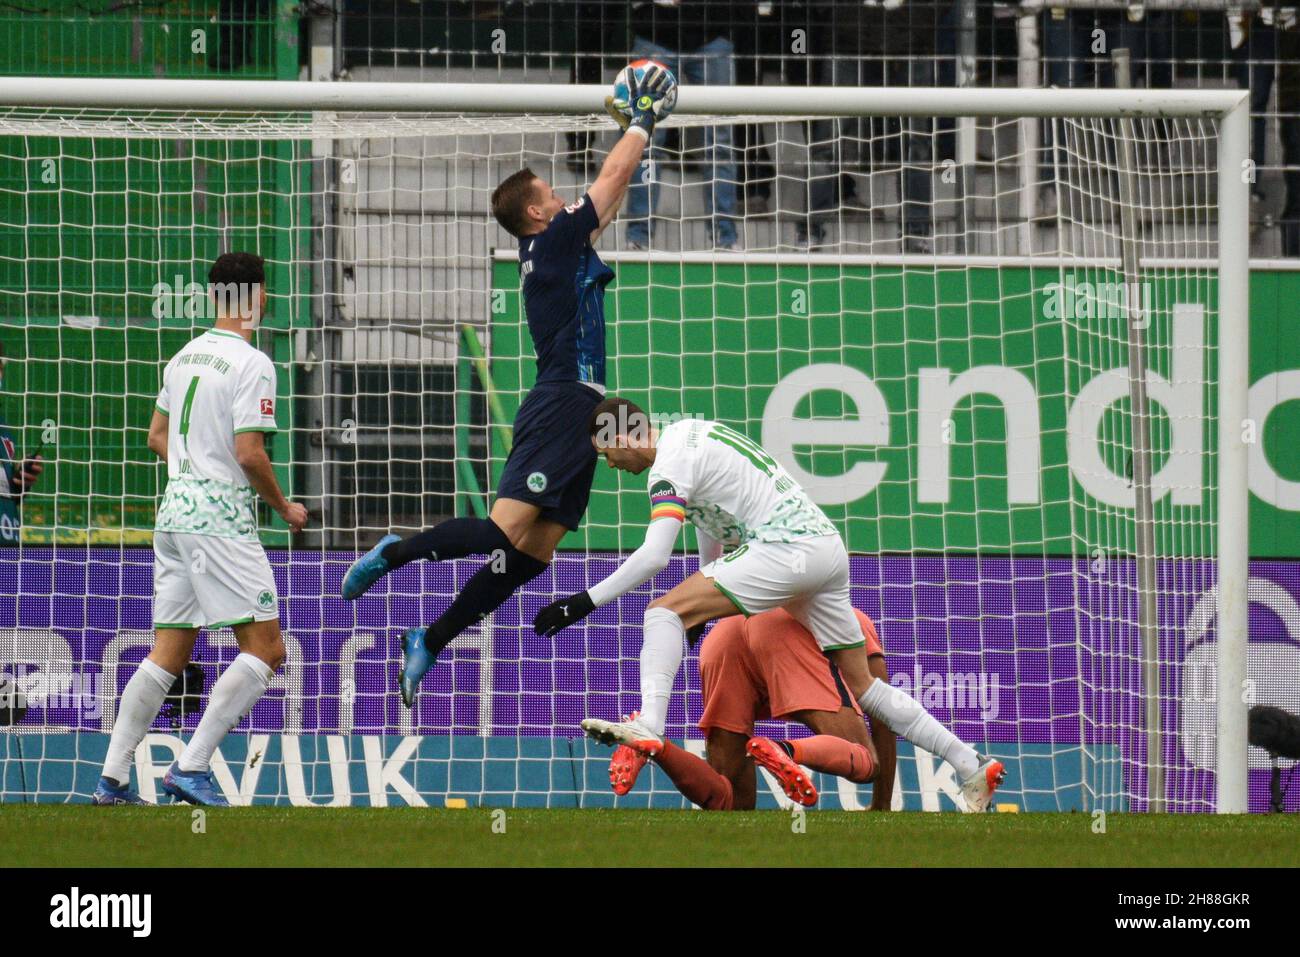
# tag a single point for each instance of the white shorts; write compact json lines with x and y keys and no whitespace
{"x":200,"y":581}
{"x":808,"y":578}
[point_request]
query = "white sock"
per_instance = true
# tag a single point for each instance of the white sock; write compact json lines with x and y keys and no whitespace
{"x":904,"y":715}
{"x":233,"y":696}
{"x":661,"y":657}
{"x":141,"y":699}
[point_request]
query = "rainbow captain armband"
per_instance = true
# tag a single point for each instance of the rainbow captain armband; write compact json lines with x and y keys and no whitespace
{"x":666,"y":503}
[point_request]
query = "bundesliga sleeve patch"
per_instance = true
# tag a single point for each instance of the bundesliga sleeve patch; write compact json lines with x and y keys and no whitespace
{"x":665,"y":502}
{"x":268,"y":407}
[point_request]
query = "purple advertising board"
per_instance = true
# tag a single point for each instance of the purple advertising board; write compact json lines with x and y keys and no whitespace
{"x":1035,"y":659}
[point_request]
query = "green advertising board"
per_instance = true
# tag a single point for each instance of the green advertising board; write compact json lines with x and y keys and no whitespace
{"x":931,"y":408}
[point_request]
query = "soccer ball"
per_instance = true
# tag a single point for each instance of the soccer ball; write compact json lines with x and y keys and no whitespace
{"x":630,"y":75}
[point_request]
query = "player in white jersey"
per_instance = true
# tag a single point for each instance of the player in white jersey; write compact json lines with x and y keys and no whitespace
{"x":216,"y":405}
{"x":781,"y":551}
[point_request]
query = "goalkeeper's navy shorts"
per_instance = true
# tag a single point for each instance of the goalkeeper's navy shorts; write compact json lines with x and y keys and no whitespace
{"x":552,"y":461}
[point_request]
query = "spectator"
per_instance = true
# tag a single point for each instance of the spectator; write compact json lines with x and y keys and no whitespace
{"x":1148,"y":36}
{"x":875,"y":44}
{"x":1288,"y":122}
{"x":692,"y":38}
{"x":767,"y":34}
{"x":1076,"y":53}
{"x":1253,"y":42}
{"x":1265,"y":48}
{"x":1255,"y":51}
{"x":594,"y":28}
{"x":757,"y":34}
{"x":17,"y":478}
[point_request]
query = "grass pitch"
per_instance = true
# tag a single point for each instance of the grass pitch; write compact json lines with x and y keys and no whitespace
{"x":85,"y":836}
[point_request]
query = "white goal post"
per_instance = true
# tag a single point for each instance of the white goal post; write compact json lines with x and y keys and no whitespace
{"x":55,"y":107}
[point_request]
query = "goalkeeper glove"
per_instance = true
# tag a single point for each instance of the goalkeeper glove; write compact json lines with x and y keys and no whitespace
{"x":655,"y":84}
{"x":619,"y":117}
{"x":560,"y":614}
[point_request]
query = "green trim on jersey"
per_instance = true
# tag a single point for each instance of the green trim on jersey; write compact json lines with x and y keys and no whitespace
{"x":162,"y":410}
{"x":735,"y":552}
{"x":233,"y":621}
{"x":174,"y":624}
{"x":856,"y":644}
{"x":734,"y":600}
{"x":259,"y":428}
{"x":222,"y":332}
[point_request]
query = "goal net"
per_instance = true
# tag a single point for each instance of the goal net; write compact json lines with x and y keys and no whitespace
{"x":936,"y":324}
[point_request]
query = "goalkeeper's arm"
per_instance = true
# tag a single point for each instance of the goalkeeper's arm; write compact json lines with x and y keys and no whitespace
{"x":625,"y":158}
{"x":615,"y":176}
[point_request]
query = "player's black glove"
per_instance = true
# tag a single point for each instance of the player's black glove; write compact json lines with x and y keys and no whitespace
{"x":560,"y":614}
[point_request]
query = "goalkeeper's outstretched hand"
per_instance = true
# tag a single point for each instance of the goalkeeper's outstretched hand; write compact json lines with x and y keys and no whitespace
{"x":560,"y":614}
{"x":645,"y":100}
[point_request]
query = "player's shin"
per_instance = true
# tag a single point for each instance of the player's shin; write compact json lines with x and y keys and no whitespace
{"x":233,"y":696}
{"x":661,"y":658}
{"x":483,"y":594}
{"x":904,"y":715}
{"x":141,"y":700}
{"x":832,"y":755}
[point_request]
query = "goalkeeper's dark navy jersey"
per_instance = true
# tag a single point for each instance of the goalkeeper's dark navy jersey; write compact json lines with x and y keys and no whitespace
{"x":564,"y":296}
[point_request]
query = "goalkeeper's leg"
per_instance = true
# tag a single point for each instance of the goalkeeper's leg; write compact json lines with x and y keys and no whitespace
{"x":454,"y":538}
{"x":506,"y":527}
{"x":486,"y":590}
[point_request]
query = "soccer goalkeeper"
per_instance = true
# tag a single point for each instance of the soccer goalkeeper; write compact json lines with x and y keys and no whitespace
{"x":544,"y":488}
{"x":784,"y":553}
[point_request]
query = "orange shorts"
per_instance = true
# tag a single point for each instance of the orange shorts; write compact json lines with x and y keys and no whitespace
{"x":770,"y":666}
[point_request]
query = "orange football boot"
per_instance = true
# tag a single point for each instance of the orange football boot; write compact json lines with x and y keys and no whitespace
{"x":769,"y":754}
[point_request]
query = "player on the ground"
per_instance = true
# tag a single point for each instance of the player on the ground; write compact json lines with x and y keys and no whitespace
{"x":769,"y":666}
{"x":784,"y":553}
{"x":215,"y":407}
{"x":544,"y":488}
